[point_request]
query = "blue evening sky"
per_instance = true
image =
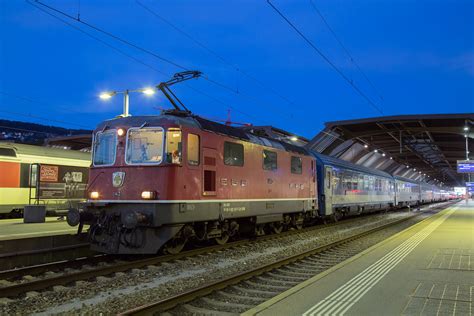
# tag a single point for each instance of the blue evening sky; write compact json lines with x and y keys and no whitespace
{"x":419,"y":54}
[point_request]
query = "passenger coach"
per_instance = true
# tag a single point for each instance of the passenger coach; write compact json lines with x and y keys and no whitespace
{"x":20,"y":167}
{"x":346,"y":188}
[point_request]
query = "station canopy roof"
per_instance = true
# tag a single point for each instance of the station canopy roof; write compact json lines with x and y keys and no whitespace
{"x":418,"y":147}
{"x":75,"y":142}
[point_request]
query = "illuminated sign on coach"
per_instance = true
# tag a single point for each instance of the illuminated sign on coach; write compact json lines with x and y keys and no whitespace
{"x":465,"y":166}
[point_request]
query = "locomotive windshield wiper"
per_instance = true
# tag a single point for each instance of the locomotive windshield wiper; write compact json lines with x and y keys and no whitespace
{"x":177,"y":78}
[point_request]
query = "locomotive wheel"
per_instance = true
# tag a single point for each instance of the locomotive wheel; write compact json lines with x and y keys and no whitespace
{"x":277,"y":227}
{"x":260,"y":230}
{"x":174,"y":246}
{"x":298,"y":221}
{"x":223,"y":239}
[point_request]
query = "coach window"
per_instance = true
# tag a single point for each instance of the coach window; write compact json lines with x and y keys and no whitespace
{"x":269,"y":160}
{"x":296,"y":165}
{"x":105,"y":145}
{"x":173,"y":145}
{"x":233,"y":154}
{"x":33,"y":175}
{"x":193,"y":149}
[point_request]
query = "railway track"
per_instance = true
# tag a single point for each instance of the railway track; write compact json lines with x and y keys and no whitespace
{"x":243,"y":291}
{"x":45,"y":276}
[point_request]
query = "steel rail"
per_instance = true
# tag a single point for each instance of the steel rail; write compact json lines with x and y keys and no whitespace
{"x":67,"y":278}
{"x":192,"y":294}
{"x":44,"y":283}
{"x":68,"y":263}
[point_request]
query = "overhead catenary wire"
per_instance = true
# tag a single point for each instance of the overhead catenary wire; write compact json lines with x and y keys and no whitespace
{"x":325,"y":58}
{"x":118,"y":50}
{"x":344,"y":48}
{"x":144,"y":50}
{"x":214,"y":53}
{"x":43,"y":118}
{"x":33,"y":3}
{"x":25,"y":130}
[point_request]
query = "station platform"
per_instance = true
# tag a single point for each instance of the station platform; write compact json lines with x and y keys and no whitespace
{"x":427,"y":269}
{"x":13,"y":229}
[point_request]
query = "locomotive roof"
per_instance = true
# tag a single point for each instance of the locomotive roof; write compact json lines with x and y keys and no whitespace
{"x":347,"y":165}
{"x":189,"y":120}
{"x":34,"y":150}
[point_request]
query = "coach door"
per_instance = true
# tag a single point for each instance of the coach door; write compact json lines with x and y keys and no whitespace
{"x":209,"y":172}
{"x":328,"y":189}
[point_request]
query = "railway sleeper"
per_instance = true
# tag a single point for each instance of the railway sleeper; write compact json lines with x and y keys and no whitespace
{"x":288,"y":275}
{"x":275,"y":282}
{"x":263,"y":286}
{"x":292,"y":271}
{"x":226,"y":305}
{"x":194,"y":310}
{"x":260,"y":293}
{"x":243,"y":297}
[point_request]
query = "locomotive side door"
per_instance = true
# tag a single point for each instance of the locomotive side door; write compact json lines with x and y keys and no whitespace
{"x":209,"y":171}
{"x":328,"y":183}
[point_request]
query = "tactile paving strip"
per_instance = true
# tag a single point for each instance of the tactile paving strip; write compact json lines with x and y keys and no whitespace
{"x":453,"y":259}
{"x":441,"y":299}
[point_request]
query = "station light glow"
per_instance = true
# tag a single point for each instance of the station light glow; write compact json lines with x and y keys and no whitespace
{"x":466,"y":128}
{"x":106,"y":95}
{"x":148,"y":91}
{"x":366,"y":146}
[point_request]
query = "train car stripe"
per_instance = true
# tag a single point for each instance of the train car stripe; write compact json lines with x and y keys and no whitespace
{"x":198,"y":201}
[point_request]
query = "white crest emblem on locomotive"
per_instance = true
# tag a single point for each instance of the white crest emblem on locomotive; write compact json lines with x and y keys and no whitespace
{"x":118,"y":178}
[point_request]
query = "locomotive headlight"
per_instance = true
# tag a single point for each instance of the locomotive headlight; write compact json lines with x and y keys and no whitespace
{"x":120,"y":132}
{"x":148,"y":195}
{"x":94,"y":195}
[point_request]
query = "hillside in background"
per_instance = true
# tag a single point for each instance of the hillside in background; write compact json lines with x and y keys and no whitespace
{"x":32,"y":133}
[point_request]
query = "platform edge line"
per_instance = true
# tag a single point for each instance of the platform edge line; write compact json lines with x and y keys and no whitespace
{"x":265,"y":305}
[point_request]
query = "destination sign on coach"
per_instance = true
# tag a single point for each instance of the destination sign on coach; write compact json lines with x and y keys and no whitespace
{"x":465,"y":166}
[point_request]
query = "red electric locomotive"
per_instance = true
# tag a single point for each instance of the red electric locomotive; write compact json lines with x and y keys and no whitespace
{"x":157,"y":182}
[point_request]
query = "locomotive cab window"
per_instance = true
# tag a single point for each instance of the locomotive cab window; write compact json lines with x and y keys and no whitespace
{"x":144,"y":146}
{"x":193,"y":149}
{"x":105,"y":146}
{"x":173,"y":146}
{"x":233,"y":154}
{"x":269,"y":160}
{"x":297,"y":165}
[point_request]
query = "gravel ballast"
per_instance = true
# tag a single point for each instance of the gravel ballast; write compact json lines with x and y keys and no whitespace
{"x":123,"y":291}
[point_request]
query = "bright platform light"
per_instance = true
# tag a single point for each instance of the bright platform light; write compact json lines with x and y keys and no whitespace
{"x":148,"y":91}
{"x":106,"y":95}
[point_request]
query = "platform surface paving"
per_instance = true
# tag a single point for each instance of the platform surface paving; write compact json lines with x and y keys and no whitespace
{"x":16,"y":229}
{"x":428,"y":269}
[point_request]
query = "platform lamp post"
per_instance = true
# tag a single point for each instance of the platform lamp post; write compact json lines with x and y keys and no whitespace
{"x":126,"y":99}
